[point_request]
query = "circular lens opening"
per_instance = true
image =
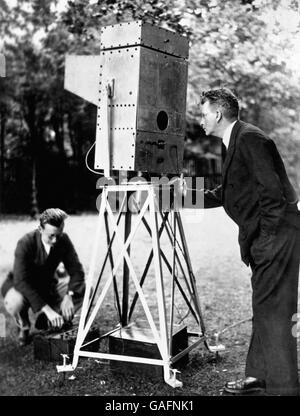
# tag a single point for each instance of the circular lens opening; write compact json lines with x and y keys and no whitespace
{"x":162,"y":120}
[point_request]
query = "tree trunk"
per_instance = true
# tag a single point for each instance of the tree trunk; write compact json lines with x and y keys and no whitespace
{"x":31,"y":120}
{"x":34,"y":211}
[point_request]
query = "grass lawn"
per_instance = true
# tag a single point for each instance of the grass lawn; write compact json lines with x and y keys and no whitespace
{"x":223,"y":284}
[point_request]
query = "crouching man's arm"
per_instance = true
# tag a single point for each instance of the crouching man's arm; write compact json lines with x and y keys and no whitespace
{"x":76,"y":285}
{"x":23,"y":266}
{"x":67,"y":306}
{"x":22,"y":274}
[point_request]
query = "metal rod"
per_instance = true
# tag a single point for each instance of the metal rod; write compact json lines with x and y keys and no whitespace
{"x":136,"y":296}
{"x":158,"y":339}
{"x":127,"y":229}
{"x":107,"y":142}
{"x":163,"y":225}
{"x":178,"y":259}
{"x":85,"y":307}
{"x":126,"y":358}
{"x":122,"y":253}
{"x":183,"y":273}
{"x":172,"y":290}
{"x":105,"y":259}
{"x":159,"y":278}
{"x":187,"y":349}
{"x":111,"y":260}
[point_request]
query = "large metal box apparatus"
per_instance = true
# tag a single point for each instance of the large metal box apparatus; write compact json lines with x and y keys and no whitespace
{"x":147,"y":67}
{"x":137,"y":340}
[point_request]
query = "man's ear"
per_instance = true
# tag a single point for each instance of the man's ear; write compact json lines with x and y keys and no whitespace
{"x":219,"y":116}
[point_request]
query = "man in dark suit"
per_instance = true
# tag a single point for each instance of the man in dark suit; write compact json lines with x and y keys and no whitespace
{"x":34,"y":280}
{"x":257,"y":194}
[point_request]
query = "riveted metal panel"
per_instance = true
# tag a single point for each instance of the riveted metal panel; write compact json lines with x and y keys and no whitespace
{"x":123,"y":150}
{"x":81,"y":76}
{"x":145,"y":34}
{"x":156,"y":153}
{"x":120,"y":35}
{"x":164,"y":83}
{"x":164,"y":40}
{"x":123,"y":66}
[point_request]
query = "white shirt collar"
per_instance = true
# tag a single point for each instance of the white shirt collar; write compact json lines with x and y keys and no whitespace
{"x":227,"y":134}
{"x":46,"y":246}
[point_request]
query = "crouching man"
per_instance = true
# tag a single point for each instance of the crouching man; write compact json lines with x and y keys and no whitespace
{"x":34,"y":281}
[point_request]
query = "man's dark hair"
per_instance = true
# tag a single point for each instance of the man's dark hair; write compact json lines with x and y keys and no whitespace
{"x":53,"y":216}
{"x":224,"y":98}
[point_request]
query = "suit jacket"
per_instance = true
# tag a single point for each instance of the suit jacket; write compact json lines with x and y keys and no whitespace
{"x":255,"y":192}
{"x":34,"y":272}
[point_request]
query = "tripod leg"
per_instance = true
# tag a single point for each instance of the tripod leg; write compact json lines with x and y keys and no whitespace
{"x":169,"y":373}
{"x":127,"y":229}
{"x":108,"y":255}
{"x":89,"y":285}
{"x":108,"y":239}
{"x":172,"y":289}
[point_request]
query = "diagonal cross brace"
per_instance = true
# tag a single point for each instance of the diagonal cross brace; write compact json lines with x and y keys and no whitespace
{"x":117,"y":264}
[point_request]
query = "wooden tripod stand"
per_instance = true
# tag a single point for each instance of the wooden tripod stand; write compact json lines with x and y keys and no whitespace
{"x":150,"y":215}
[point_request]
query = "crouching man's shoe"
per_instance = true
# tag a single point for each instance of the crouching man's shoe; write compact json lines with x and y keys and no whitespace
{"x":245,"y":386}
{"x":24,"y":337}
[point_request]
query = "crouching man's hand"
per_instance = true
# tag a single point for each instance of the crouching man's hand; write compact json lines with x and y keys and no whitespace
{"x":67,"y":307}
{"x":54,"y":318}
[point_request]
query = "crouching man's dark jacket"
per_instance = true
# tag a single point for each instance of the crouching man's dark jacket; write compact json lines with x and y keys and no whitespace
{"x":34,"y":271}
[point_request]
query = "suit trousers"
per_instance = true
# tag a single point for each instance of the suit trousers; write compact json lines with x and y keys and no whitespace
{"x":18,"y":306}
{"x":272,"y":354}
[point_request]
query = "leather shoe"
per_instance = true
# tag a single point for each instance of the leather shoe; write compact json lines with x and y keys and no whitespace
{"x":244,"y":386}
{"x":24,"y":337}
